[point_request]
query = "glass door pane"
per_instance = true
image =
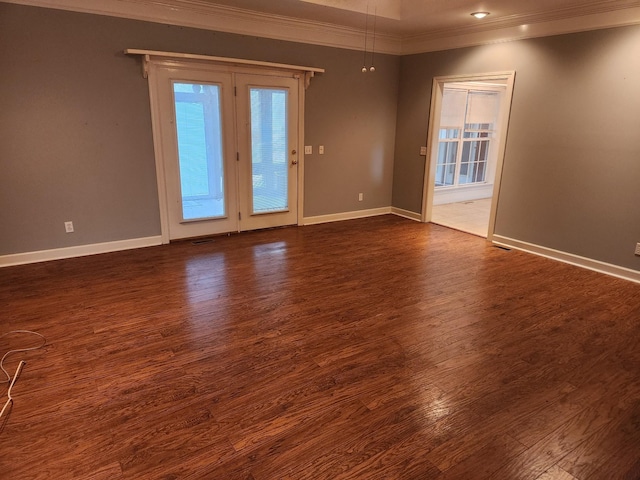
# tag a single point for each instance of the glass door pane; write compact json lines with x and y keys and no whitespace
{"x":269,"y":150}
{"x":200,"y":157}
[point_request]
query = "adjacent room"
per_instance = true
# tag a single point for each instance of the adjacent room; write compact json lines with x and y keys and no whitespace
{"x":320,"y":239}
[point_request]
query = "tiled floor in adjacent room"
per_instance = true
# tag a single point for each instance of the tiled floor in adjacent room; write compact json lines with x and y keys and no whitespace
{"x":470,"y":216}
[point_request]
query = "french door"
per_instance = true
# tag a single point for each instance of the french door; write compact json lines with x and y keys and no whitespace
{"x":228,"y":148}
{"x":267,"y":109}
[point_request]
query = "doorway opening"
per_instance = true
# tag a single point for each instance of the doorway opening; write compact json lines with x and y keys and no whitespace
{"x":466,"y":141}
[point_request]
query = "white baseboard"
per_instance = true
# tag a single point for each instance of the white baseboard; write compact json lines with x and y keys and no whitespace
{"x":337,"y":217}
{"x":97,"y":248}
{"x":406,"y":214}
{"x":78,"y":251}
{"x":588,"y":263}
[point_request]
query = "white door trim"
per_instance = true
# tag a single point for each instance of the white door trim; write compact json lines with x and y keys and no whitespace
{"x":268,"y":70}
{"x":302,"y":88}
{"x":156,"y":127}
{"x":432,"y":138}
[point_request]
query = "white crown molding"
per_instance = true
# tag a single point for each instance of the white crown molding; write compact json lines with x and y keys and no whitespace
{"x":522,"y":27}
{"x":204,"y":15}
{"x":190,"y":13}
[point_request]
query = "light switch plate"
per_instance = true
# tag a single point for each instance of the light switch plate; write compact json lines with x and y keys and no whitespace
{"x":321,"y":149}
{"x":308,"y":149}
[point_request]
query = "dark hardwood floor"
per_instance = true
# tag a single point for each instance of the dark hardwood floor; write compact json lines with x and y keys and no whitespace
{"x":378,"y":348}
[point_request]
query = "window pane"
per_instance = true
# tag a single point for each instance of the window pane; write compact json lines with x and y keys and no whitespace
{"x":464,"y":171}
{"x":475,"y":134}
{"x":478,"y":126}
{"x":199,"y":139}
{"x":480,"y":171}
{"x":474,"y":162}
{"x":447,"y":152}
{"x":269,"y":145}
{"x":446,"y":165}
{"x":449,"y":133}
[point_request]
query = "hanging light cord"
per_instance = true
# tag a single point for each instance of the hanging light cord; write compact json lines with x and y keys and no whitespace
{"x":22,"y":363}
{"x":366,"y":32}
{"x":373,"y":49}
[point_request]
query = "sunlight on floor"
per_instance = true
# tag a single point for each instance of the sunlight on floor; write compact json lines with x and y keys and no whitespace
{"x":470,"y":216}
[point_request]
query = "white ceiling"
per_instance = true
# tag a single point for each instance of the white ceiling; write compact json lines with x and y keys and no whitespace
{"x":402,"y":26}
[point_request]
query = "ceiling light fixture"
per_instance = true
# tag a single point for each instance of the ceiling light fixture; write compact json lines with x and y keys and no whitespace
{"x":479,"y":15}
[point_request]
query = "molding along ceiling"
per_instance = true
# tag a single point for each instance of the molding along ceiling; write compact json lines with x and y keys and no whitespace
{"x":402,"y":26}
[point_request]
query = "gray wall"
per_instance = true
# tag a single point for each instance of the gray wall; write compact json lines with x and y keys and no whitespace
{"x":75,"y":126}
{"x":76,"y":143}
{"x":571,"y":176}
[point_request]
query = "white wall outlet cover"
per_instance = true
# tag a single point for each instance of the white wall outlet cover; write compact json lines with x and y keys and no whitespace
{"x":308,"y":149}
{"x":423,"y":150}
{"x":321,"y":149}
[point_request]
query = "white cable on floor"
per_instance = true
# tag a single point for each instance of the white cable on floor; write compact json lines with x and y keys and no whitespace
{"x":15,"y":377}
{"x":22,"y":363}
{"x":44,"y":341}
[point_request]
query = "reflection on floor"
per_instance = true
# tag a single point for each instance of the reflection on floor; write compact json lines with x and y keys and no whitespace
{"x":470,"y":216}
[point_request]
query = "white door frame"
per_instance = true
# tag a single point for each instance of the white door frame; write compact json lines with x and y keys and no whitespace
{"x":437,"y":91}
{"x":302,"y":78}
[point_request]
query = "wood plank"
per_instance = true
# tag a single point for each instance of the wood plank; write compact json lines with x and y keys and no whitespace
{"x":556,"y":473}
{"x":481,"y":463}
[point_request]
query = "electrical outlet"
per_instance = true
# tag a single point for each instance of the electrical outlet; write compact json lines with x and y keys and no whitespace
{"x":360,"y":197}
{"x":68,"y":227}
{"x":638,"y":249}
{"x":308,"y":149}
{"x":423,"y":150}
